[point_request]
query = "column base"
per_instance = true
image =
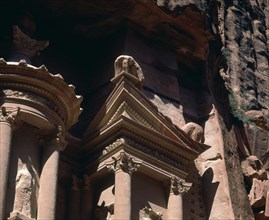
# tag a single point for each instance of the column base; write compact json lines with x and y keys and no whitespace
{"x":18,"y":216}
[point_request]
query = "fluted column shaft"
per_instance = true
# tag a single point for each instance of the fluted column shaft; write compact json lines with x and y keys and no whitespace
{"x":175,"y":201}
{"x":123,"y":167}
{"x":6,"y":125}
{"x":48,"y":183}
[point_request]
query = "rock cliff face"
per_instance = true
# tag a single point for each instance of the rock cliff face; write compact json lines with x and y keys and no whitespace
{"x":205,"y":62}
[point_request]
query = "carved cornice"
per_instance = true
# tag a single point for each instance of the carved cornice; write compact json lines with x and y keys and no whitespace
{"x":179,"y":186}
{"x":15,"y":94}
{"x":123,"y":162}
{"x":22,"y":82}
{"x":114,"y":145}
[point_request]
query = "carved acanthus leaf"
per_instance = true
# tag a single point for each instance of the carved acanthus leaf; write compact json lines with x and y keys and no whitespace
{"x":124,"y":162}
{"x":179,"y":186}
{"x":9,"y":116}
{"x":56,"y":137}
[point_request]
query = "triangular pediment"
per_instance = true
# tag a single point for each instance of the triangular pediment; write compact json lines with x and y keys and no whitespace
{"x":127,"y":103}
{"x":126,"y":110}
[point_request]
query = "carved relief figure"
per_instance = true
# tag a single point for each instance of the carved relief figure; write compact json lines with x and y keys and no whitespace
{"x":127,"y":64}
{"x":24,"y":188}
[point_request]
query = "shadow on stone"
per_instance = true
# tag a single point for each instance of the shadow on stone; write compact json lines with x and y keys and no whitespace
{"x":209,"y":191}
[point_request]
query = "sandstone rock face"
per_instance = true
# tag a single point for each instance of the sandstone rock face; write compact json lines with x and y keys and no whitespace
{"x":245,"y":34}
{"x":256,"y":177}
{"x":258,"y":118}
{"x":206,"y":68}
{"x":252,"y":168}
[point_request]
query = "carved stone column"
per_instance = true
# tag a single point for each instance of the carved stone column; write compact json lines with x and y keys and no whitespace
{"x":48,"y":178}
{"x":266,"y":211}
{"x":175,"y":204}
{"x":7,"y":119}
{"x":123,"y":167}
{"x":87,"y":200}
{"x":74,"y":199}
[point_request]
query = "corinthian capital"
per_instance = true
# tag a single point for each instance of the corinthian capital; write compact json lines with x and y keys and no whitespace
{"x":59,"y":139}
{"x":56,"y":137}
{"x":124,"y":162}
{"x":26,"y":45}
{"x":9,"y":115}
{"x":179,"y":186}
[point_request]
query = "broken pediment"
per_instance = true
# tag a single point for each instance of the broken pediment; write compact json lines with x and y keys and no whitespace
{"x":129,"y":116}
{"x":128,"y":105}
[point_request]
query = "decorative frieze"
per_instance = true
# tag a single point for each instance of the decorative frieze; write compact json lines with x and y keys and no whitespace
{"x":156,"y":154}
{"x":114,"y":145}
{"x":145,"y":148}
{"x":34,"y":97}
